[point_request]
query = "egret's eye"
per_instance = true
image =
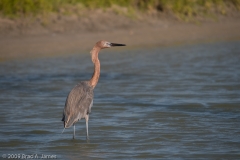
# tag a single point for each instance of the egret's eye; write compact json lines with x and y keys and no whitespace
{"x":108,"y":44}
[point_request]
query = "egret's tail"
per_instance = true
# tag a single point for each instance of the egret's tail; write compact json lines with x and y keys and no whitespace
{"x":63,"y":130}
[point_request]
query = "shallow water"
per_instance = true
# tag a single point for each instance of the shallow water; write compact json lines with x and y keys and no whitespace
{"x":171,"y":103}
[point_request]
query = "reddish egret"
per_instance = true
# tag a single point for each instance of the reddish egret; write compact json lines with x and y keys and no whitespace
{"x":80,"y":99}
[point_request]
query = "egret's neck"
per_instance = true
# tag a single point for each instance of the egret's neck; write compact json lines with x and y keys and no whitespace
{"x":96,"y":74}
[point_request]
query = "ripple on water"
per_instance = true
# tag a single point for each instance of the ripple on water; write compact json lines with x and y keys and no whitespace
{"x":170,"y":103}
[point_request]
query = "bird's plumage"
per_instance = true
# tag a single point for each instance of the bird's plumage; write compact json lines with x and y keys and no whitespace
{"x":78,"y":103}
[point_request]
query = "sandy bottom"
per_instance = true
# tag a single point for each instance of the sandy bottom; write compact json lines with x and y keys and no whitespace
{"x":161,"y":34}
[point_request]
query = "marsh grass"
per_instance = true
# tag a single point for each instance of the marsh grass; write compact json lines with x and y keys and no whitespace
{"x":182,"y":9}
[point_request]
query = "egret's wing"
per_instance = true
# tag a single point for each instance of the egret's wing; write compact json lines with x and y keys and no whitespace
{"x":78,"y":103}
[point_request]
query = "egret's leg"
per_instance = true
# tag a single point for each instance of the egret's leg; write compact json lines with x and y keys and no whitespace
{"x":74,"y":131}
{"x":87,"y":117}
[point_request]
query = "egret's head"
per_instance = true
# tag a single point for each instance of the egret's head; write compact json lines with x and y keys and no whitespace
{"x":104,"y":44}
{"x":101,"y":45}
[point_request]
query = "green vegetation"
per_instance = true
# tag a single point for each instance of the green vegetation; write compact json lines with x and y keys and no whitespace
{"x":183,"y":9}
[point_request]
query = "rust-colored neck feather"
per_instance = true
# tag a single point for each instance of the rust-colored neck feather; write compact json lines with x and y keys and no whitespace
{"x":94,"y":80}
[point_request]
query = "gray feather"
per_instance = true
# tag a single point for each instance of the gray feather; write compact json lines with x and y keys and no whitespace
{"x":78,"y":103}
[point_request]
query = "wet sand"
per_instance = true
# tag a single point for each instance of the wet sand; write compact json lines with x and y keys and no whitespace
{"x":159,"y":34}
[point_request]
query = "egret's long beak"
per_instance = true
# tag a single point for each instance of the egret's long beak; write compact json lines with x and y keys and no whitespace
{"x":116,"y":44}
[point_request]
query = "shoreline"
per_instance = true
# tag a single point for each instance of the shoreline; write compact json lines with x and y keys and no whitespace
{"x":165,"y":33}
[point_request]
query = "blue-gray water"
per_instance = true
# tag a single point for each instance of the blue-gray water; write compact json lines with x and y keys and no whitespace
{"x":171,"y":103}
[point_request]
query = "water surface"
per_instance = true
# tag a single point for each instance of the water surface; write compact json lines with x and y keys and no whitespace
{"x":171,"y":103}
